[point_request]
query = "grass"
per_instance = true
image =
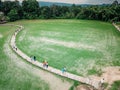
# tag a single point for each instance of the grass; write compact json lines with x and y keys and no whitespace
{"x":13,"y":77}
{"x":82,"y":46}
{"x":17,"y":74}
{"x":115,"y":85}
{"x":75,"y":84}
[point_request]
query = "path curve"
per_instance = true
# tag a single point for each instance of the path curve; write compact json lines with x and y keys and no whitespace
{"x":86,"y":80}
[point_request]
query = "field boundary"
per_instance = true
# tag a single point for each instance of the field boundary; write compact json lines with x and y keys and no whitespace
{"x":87,"y":80}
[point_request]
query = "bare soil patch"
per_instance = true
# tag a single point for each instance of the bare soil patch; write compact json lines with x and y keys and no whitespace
{"x":111,"y":74}
{"x":84,"y":87}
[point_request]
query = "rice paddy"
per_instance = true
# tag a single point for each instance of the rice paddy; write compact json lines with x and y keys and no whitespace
{"x":84,"y":47}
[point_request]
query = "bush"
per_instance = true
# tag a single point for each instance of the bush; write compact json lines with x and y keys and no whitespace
{"x":13,"y":15}
{"x":115,"y":85}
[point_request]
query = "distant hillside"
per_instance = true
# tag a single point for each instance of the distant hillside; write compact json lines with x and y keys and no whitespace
{"x":42,"y":3}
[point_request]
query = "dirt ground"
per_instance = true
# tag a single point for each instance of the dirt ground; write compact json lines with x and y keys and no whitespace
{"x":84,"y":87}
{"x":110,"y":74}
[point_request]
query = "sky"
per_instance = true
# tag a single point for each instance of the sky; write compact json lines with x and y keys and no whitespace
{"x":80,"y":1}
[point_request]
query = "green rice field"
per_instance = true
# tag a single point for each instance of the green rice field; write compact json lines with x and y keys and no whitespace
{"x":17,"y":74}
{"x":13,"y":76}
{"x":84,"y":47}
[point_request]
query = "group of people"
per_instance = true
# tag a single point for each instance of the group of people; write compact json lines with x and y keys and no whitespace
{"x":45,"y":64}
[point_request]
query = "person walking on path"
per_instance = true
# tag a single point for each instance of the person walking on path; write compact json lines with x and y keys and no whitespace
{"x":34,"y":58}
{"x":63,"y":70}
{"x":101,"y":83}
{"x":31,"y":57}
{"x":46,"y":64}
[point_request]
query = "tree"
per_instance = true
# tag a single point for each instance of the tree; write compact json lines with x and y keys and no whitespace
{"x":64,"y":10}
{"x":18,"y":8}
{"x":115,"y":2}
{"x":13,"y":15}
{"x":55,"y":11}
{"x":6,"y":7}
{"x":45,"y":12}
{"x":0,"y":5}
{"x":30,"y":9}
{"x":74,"y":10}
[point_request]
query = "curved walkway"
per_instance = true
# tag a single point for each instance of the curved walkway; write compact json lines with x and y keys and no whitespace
{"x":91,"y":81}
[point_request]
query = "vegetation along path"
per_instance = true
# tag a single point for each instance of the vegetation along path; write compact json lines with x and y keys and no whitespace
{"x":91,"y":80}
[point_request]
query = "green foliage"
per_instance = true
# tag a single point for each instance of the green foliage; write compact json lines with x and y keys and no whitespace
{"x":75,"y":84}
{"x":6,"y":6}
{"x":92,"y":71}
{"x":13,"y":15}
{"x":45,"y":13}
{"x":12,"y":8}
{"x":71,"y":88}
{"x":30,"y":9}
{"x":116,"y":63}
{"x":115,"y":86}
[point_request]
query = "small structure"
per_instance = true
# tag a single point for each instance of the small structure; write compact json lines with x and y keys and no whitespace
{"x":2,"y":18}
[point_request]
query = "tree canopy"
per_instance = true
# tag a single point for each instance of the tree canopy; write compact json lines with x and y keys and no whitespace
{"x":30,"y":9}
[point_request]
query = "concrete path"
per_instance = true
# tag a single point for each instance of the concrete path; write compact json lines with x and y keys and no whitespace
{"x":91,"y":81}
